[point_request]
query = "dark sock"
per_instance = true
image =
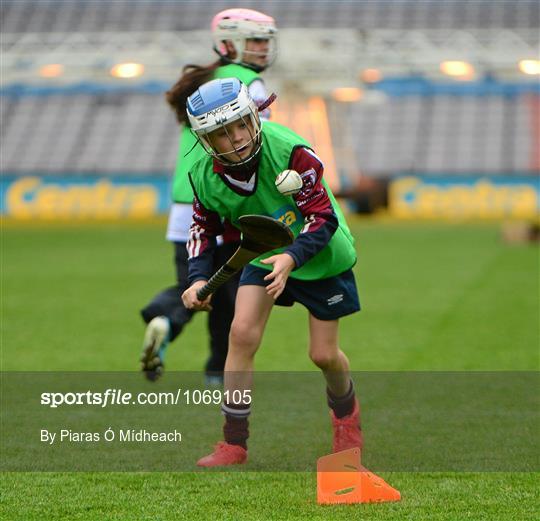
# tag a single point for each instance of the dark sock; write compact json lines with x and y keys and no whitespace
{"x":341,"y":405}
{"x":236,"y":427}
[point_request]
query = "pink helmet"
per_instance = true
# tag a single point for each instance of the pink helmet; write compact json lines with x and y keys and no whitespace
{"x":239,"y":25}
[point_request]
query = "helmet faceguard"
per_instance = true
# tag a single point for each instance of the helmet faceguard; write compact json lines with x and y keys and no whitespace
{"x":213,"y":107}
{"x":240,"y":25}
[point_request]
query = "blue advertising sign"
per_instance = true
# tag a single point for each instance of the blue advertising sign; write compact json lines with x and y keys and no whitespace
{"x":46,"y":197}
{"x":458,"y":197}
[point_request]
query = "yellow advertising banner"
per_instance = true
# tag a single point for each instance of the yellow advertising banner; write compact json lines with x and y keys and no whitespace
{"x":414,"y":197}
{"x":51,"y":198}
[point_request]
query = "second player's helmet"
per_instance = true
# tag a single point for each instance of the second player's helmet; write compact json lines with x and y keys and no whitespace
{"x":239,"y":25}
{"x":216,"y":104}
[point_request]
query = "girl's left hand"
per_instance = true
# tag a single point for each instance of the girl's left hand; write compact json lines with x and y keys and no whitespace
{"x":283,"y":264}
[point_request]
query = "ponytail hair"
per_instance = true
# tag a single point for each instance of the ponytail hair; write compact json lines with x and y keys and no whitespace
{"x":193,"y":76}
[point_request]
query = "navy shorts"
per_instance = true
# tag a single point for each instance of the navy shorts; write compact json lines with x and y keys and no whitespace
{"x":325,"y":299}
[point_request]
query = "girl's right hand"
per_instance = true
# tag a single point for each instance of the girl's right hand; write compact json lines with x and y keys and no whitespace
{"x":190,"y":300}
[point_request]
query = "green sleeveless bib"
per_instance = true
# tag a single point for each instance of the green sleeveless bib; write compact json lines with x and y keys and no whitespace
{"x":278,"y":145}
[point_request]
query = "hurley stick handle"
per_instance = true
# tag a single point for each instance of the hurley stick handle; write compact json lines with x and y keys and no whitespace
{"x":260,"y":234}
{"x":220,"y":277}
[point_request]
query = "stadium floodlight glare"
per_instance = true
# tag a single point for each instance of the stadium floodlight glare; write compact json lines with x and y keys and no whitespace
{"x":459,"y":69}
{"x":127,"y":70}
{"x":371,"y":75}
{"x":529,"y":66}
{"x":347,"y":94}
{"x":51,"y":70}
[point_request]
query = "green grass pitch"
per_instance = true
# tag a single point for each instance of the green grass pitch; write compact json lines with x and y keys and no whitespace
{"x":435,"y":296}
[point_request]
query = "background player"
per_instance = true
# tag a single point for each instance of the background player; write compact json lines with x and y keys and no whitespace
{"x":245,"y":41}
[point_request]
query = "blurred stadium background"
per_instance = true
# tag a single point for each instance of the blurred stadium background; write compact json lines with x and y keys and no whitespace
{"x":421,"y":110}
{"x":429,"y":107}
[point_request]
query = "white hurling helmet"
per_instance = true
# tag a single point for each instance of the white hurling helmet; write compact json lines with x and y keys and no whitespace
{"x":239,"y":25}
{"x":216,"y":104}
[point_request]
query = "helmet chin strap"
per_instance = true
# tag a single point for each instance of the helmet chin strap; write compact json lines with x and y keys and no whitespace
{"x":243,"y":168}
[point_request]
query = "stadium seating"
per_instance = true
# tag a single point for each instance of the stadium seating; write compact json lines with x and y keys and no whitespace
{"x":163,"y":15}
{"x":114,"y":133}
{"x":439,"y":134}
{"x":84,"y":131}
{"x":136,"y":133}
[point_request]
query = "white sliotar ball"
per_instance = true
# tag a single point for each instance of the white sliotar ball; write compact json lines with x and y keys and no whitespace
{"x":289,"y":182}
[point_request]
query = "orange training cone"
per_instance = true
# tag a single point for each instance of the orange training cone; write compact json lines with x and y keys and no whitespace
{"x":342,"y":479}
